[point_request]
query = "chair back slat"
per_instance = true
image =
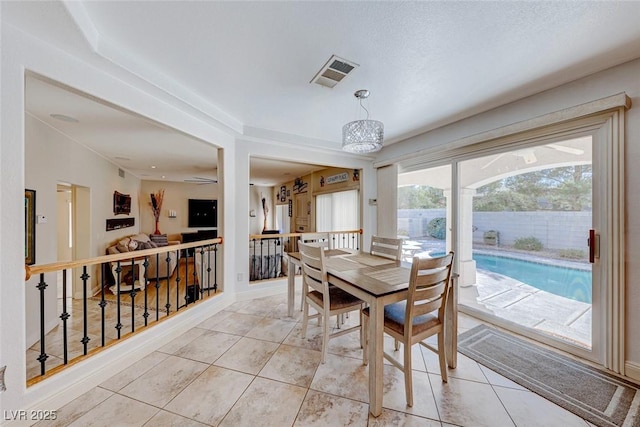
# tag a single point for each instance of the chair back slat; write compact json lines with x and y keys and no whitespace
{"x":386,"y":247}
{"x":429,"y":285}
{"x":320,"y":239}
{"x":313,"y":270}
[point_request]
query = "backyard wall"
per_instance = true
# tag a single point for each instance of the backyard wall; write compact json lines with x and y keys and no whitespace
{"x":555,"y":230}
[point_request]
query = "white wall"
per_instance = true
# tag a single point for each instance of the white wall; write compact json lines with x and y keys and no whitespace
{"x":176,"y":197}
{"x":623,"y":78}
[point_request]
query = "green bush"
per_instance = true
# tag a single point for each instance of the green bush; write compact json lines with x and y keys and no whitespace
{"x":572,"y":253}
{"x":437,"y":228}
{"x":403,"y":232}
{"x":528,"y":244}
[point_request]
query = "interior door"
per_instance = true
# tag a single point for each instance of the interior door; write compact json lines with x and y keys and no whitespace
{"x":302,"y":212}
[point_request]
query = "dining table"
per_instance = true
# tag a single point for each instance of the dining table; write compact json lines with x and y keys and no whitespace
{"x":378,"y":281}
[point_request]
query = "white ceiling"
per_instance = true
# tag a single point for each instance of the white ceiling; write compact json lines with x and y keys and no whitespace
{"x":248,"y":64}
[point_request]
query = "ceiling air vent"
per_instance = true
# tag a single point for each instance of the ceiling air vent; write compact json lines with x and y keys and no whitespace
{"x":333,"y":71}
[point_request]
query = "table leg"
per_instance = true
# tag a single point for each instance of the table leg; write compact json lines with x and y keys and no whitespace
{"x":291,"y":287}
{"x":376,"y":359}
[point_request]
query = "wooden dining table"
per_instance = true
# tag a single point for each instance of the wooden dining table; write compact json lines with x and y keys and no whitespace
{"x":377,"y":281}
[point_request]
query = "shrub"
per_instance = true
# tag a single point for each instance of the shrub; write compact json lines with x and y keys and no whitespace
{"x":572,"y":253}
{"x":437,"y":228}
{"x":403,"y":232}
{"x":528,"y":244}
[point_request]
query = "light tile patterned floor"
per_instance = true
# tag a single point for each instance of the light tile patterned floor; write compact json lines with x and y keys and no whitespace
{"x":249,"y":366}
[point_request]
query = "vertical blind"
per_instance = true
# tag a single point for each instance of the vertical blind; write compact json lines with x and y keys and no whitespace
{"x":337,"y":211}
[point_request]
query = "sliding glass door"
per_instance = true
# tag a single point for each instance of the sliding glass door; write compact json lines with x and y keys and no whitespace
{"x":531,"y":210}
{"x":519,"y":221}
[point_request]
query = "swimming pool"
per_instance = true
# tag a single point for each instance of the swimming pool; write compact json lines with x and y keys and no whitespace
{"x":563,"y":281}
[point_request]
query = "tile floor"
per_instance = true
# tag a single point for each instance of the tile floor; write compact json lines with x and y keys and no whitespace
{"x":249,"y":366}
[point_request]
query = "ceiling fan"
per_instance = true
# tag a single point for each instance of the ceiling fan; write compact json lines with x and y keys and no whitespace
{"x":200,"y":180}
{"x":529,"y":157}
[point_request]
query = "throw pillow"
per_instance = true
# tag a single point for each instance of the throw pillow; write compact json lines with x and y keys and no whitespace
{"x":159,"y":239}
{"x":141,"y":237}
{"x":133,"y":245}
{"x":123,"y":245}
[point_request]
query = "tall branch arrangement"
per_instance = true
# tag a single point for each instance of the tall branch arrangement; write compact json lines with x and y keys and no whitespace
{"x":156,"y":203}
{"x":265,"y":209}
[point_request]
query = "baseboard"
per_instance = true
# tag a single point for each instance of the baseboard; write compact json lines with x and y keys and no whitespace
{"x":632,"y":370}
{"x":273,"y":287}
{"x":71,"y":383}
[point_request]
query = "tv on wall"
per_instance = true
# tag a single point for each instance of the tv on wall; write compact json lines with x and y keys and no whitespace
{"x":203,"y":213}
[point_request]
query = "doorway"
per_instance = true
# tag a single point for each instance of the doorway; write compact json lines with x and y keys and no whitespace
{"x":65,"y":235}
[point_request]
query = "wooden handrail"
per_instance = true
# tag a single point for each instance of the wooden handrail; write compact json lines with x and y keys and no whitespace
{"x":30,"y":270}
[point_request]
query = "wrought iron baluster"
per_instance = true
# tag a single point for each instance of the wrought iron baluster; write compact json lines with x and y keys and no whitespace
{"x":261,"y":257}
{"x":178,"y":279}
{"x":85,"y":320}
{"x":157,"y":286}
{"x":133,"y":293}
{"x":118,"y":278}
{"x":42,"y":285}
{"x":195,"y":272}
{"x":215,"y":268}
{"x":252,"y":273}
{"x":168,"y":304}
{"x":279,"y":264}
{"x":145,"y":263}
{"x":208,"y":281}
{"x":103,"y":304}
{"x":64,"y":316}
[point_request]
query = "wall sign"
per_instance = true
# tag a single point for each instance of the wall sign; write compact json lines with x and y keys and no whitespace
{"x":341,"y":177}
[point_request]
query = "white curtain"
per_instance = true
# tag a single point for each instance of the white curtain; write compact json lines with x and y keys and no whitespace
{"x":337,"y":211}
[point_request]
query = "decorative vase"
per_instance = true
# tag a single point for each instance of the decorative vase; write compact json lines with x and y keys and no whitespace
{"x":157,"y":229}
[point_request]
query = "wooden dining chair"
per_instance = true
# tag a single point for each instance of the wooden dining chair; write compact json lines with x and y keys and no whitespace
{"x":320,"y":238}
{"x":386,"y":247}
{"x":317,"y":239}
{"x":325,"y":299}
{"x":420,"y":316}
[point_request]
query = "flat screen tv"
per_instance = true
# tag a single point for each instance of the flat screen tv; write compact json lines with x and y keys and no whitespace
{"x":203,"y":213}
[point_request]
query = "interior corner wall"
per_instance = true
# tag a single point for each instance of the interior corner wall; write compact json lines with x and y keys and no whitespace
{"x":176,"y":198}
{"x":622,"y":78}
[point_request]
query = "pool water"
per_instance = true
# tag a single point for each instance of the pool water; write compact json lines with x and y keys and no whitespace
{"x":563,"y":281}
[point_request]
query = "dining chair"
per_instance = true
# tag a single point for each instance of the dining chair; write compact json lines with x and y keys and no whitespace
{"x":386,"y":247}
{"x":321,"y":238}
{"x":325,"y":299}
{"x":420,"y":316}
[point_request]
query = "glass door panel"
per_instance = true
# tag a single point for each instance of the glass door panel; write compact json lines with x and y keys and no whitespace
{"x":531,"y":212}
{"x":424,"y":211}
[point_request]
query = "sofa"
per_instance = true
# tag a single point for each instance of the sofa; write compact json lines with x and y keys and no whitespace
{"x":157,"y":265}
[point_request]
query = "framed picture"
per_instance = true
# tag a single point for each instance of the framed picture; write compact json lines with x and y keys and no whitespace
{"x":121,"y":203}
{"x":30,"y":227}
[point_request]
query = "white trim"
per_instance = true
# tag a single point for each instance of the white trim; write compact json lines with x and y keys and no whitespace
{"x":632,"y":370}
